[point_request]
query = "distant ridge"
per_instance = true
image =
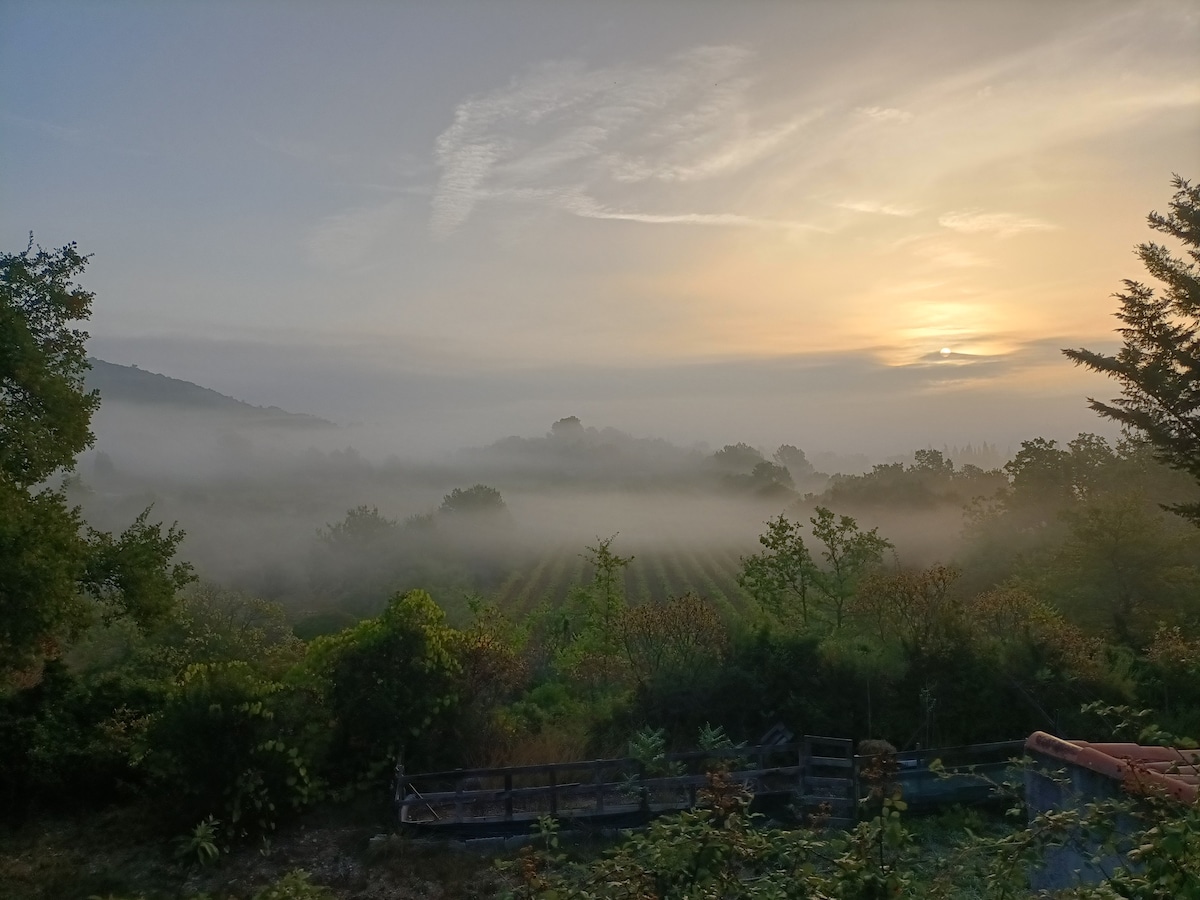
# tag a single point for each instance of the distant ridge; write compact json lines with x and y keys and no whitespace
{"x":129,"y":384}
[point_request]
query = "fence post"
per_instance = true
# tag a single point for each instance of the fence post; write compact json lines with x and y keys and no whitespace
{"x":508,"y":809}
{"x":554,"y":792}
{"x":643,"y":792}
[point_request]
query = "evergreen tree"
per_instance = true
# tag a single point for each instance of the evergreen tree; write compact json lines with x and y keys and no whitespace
{"x":1158,"y":366}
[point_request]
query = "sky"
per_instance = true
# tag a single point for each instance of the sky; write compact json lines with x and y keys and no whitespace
{"x":862,"y":226}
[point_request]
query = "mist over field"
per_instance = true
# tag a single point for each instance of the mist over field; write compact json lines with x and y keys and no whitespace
{"x":259,"y":490}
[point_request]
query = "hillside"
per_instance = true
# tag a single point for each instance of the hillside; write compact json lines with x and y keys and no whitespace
{"x":131,"y":385}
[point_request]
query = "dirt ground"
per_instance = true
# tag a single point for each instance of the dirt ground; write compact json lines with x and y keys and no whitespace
{"x":116,"y":854}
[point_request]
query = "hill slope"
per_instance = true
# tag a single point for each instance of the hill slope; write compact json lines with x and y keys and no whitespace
{"x":129,"y":384}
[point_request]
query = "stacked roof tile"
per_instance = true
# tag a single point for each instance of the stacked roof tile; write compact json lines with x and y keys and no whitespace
{"x":1145,"y":770}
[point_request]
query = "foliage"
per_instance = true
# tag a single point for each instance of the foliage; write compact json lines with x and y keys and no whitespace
{"x":49,"y":569}
{"x":362,"y":528}
{"x":767,"y":478}
{"x":44,"y":410}
{"x":677,"y":639}
{"x":133,"y":575}
{"x":1158,"y":365}
{"x":794,"y":460}
{"x":42,"y":560}
{"x":493,"y":672}
{"x":738,"y":458}
{"x":216,"y":624}
{"x":591,"y":651}
{"x":929,"y":482}
{"x":787,"y":581}
{"x":200,"y":845}
{"x":913,"y":609}
{"x":649,"y":748}
{"x":711,"y":738}
{"x":221,"y":745}
{"x":782,"y":578}
{"x":479,"y":498}
{"x":389,"y":685}
{"x":1040,"y":473}
{"x":719,"y":850}
{"x":1121,"y":562}
{"x":849,"y":554}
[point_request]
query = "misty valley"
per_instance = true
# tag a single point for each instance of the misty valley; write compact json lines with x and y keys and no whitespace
{"x":557,"y":450}
{"x":585,"y":593}
{"x":277,"y":506}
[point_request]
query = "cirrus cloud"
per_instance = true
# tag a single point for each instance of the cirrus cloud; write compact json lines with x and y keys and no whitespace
{"x":1000,"y":224}
{"x":565,"y":131}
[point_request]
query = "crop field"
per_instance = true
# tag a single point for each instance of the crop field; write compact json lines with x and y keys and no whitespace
{"x":651,"y":577}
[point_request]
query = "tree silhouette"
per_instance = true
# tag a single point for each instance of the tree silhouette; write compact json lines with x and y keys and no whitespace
{"x":1158,"y":366}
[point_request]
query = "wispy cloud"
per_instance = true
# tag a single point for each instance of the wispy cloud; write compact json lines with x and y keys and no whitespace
{"x":585,"y":207}
{"x":885,"y":114}
{"x":562,"y":130}
{"x":874,"y":206}
{"x":998,"y":223}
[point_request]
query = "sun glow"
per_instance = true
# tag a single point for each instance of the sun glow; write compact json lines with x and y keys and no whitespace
{"x":945,"y":351}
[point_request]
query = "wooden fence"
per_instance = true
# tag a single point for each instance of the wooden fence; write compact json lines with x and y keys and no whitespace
{"x":814,"y":777}
{"x":814,"y":780}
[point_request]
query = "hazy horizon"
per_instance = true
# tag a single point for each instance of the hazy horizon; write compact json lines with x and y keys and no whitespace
{"x":858,"y":227}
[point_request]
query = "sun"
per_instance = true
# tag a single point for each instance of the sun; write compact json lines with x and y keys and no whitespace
{"x":945,"y":351}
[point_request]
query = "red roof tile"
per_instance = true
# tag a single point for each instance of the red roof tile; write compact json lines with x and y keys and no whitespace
{"x":1141,"y":769}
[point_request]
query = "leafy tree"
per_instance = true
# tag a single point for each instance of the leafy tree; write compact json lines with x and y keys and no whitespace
{"x":914,"y":609}
{"x":1158,"y":366}
{"x":593,"y":650}
{"x":681,"y":637}
{"x":737,"y":457}
{"x":933,"y":461}
{"x":850,"y":553}
{"x":220,"y":746}
{"x":389,"y":684}
{"x":133,"y":575}
{"x":1040,"y":473}
{"x":782,"y":578}
{"x":787,"y":581}
{"x":793,"y":459}
{"x":478,"y":498}
{"x":1091,"y":455}
{"x":1123,"y":565}
{"x":493,"y":671}
{"x":363,"y":528}
{"x":569,"y":428}
{"x":53,"y":573}
{"x":769,"y":478}
{"x":605,"y":599}
{"x":44,"y":410}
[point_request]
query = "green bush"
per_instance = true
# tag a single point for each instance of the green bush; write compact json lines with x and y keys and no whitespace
{"x":389,"y":686}
{"x":218,"y":748}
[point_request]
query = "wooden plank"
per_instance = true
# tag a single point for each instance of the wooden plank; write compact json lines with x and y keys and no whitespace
{"x":832,"y":762}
